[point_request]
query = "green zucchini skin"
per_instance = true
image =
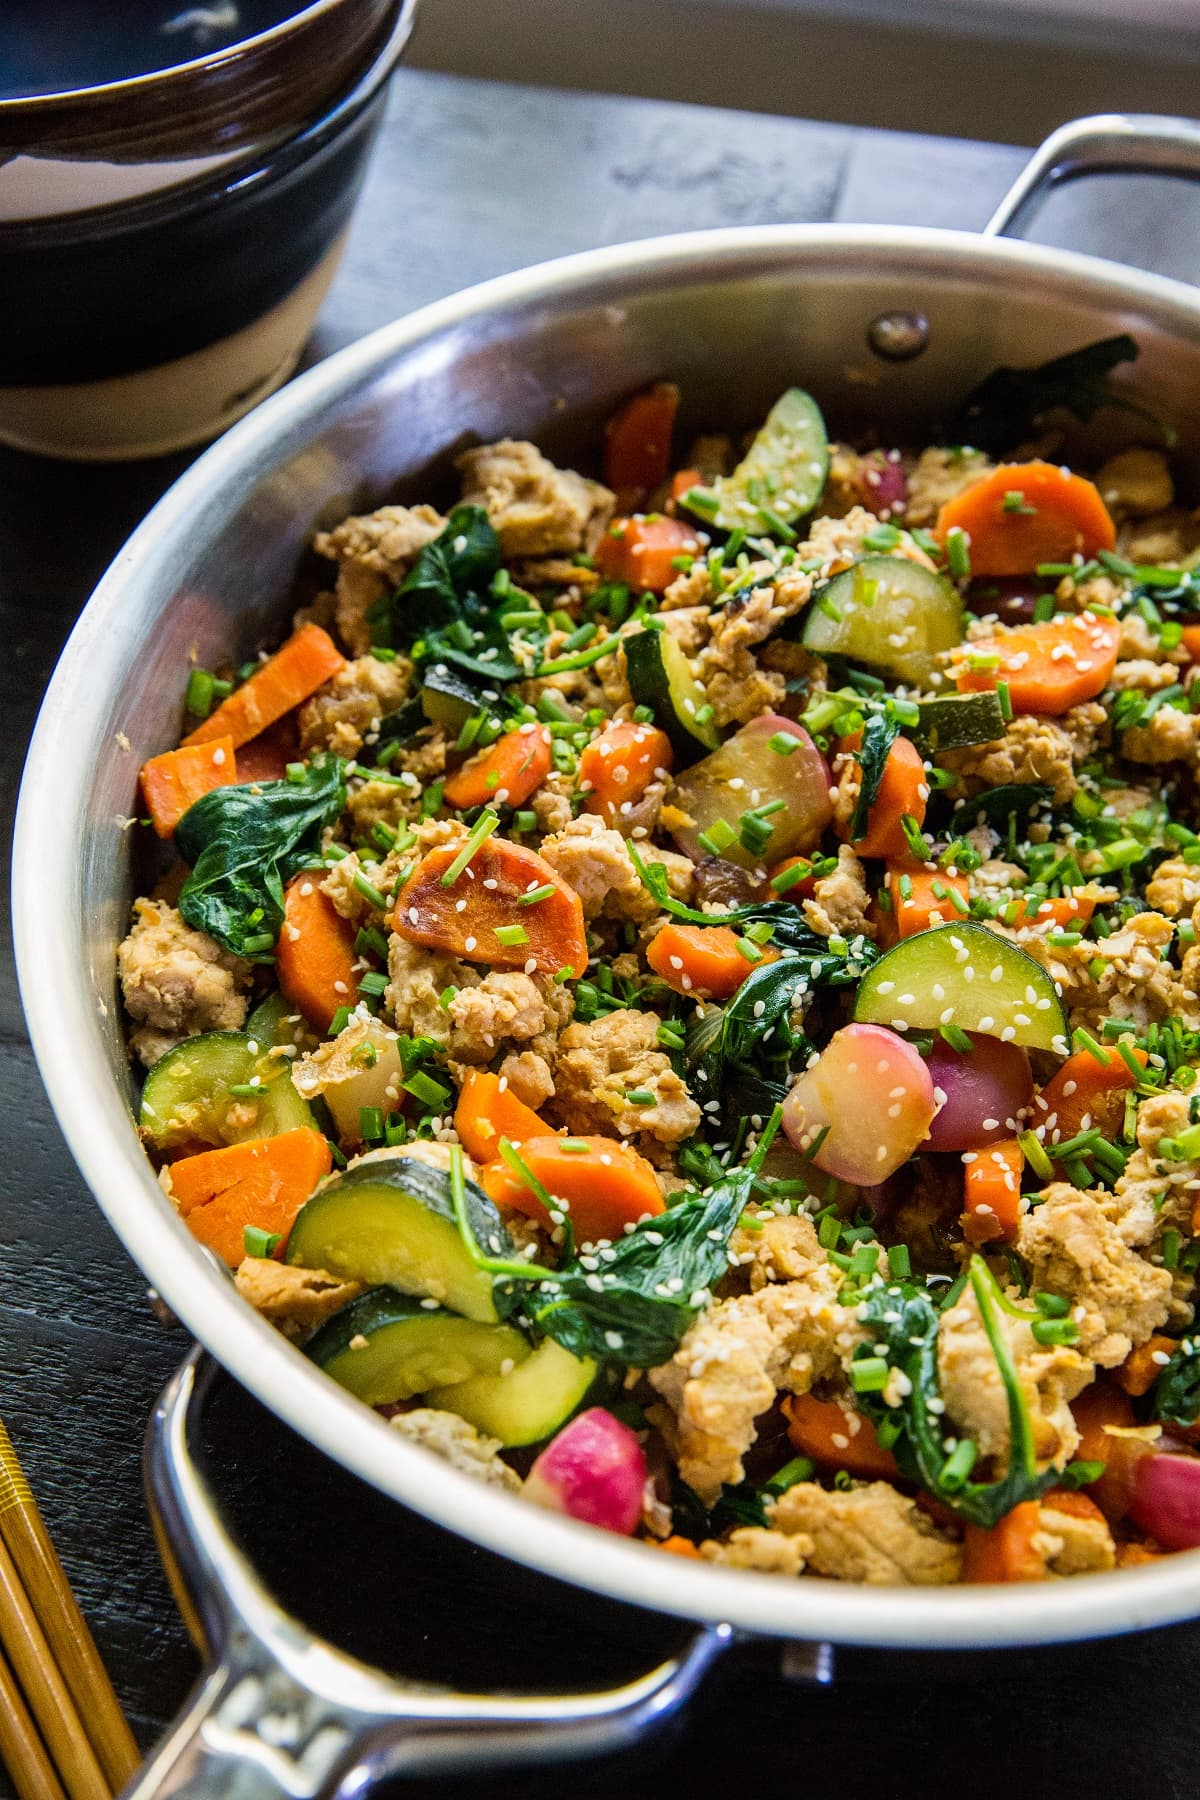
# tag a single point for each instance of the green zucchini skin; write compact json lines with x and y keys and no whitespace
{"x":1022,"y":1002}
{"x":956,"y":721}
{"x":390,"y":1222}
{"x":186,"y":1094}
{"x":385,"y":1346}
{"x":786,"y":466}
{"x":888,"y":612}
{"x":660,"y":678}
{"x":527,"y":1405}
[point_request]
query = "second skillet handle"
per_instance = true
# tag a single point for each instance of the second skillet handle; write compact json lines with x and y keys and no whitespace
{"x":1108,"y":144}
{"x":278,"y":1713}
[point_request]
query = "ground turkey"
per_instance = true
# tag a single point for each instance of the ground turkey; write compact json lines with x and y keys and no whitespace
{"x":457,"y":1443}
{"x":374,"y":553}
{"x":483,"y":1014}
{"x":295,"y":1300}
{"x":1033,"y":749}
{"x":177,"y":982}
{"x":868,"y":1533}
{"x":1073,"y":1248}
{"x":600,"y":1063}
{"x":976,"y":1398}
{"x":595,"y":861}
{"x":343,"y":714}
{"x":534,"y":507}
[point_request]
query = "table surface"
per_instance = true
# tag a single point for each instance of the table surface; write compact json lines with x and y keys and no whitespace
{"x":470,"y":179}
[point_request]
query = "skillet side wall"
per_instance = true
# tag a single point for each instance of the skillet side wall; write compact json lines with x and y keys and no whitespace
{"x":733,"y":317}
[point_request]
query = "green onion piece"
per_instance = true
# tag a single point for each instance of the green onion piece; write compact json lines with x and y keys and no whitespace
{"x":199,"y":696}
{"x":956,"y":1470}
{"x":958,"y":553}
{"x":370,"y":1124}
{"x":424,"y":1088}
{"x":339,"y":1021}
{"x":535,"y":895}
{"x":1055,"y":1331}
{"x":1035,"y":1155}
{"x":719,"y":836}
{"x":480,"y":831}
{"x":799,"y":1469}
{"x":783,"y":743}
{"x":369,"y":892}
{"x":258,"y":942}
{"x":956,"y":1037}
{"x":869,"y":1374}
{"x":640,"y":1097}
{"x":256,"y":1242}
{"x":789,"y":877}
{"x":511,"y":935}
{"x":1083,"y":1040}
{"x":899,"y":1262}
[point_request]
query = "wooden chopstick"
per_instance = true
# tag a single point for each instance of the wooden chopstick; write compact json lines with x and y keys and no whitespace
{"x":71,"y":1643}
{"x":24,"y":1643}
{"x":22,"y":1750}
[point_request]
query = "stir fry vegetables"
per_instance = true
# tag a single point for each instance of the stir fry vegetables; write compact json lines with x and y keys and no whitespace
{"x":683,"y":992}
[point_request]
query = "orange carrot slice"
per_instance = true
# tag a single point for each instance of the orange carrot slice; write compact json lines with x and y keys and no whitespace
{"x":642,"y":551}
{"x":1085,"y":1089}
{"x":1047,"y":668}
{"x":1062,"y":910}
{"x":903,"y":790}
{"x":823,"y":1431}
{"x":1141,"y":1369}
{"x":603,"y":1184}
{"x":703,"y":960}
{"x":509,"y":770}
{"x":993,"y":1192}
{"x":305,"y":663}
{"x":637,"y":443}
{"x":493,"y":926}
{"x":314,"y":958}
{"x":681,"y":482}
{"x":917,"y":902}
{"x":263,"y":1182}
{"x":488,"y":1110}
{"x":1023,"y":514}
{"x":175,"y":781}
{"x":618,"y":766}
{"x":266,"y":757}
{"x":1008,"y":1551}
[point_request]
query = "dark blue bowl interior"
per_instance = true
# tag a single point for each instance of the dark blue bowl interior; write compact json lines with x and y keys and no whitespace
{"x":65,"y":45}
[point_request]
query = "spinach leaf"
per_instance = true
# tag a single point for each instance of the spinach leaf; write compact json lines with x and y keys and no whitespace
{"x":652,"y":1285}
{"x":747,"y":1054}
{"x":450,"y":579}
{"x":905,"y":1319}
{"x":244,"y":842}
{"x":1014,"y":802}
{"x":401,"y":727}
{"x":1177,"y":1390}
{"x":476,"y":643}
{"x":789,"y":928}
{"x":1009,"y":404}
{"x":733,"y":1507}
{"x":879,"y":734}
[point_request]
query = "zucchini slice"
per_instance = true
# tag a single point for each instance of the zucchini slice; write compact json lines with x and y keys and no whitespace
{"x":187,"y":1096}
{"x":660,"y":677}
{"x":888,"y":612}
{"x":955,"y":721}
{"x":781,"y":475}
{"x":528,"y":1404}
{"x":389,"y":1221}
{"x":387,"y":1346}
{"x":447,"y":697}
{"x":968,"y":976}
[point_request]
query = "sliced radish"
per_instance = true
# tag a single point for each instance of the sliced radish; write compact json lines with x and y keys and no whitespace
{"x":1166,"y":1499}
{"x":875,"y":1095}
{"x":756,"y":771}
{"x":593,"y":1470}
{"x":985,"y":1088}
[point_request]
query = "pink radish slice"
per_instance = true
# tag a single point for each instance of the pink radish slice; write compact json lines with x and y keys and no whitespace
{"x":1166,"y":1499}
{"x":874,"y":1093}
{"x":593,"y":1470}
{"x":882,"y":484}
{"x":985,"y":1089}
{"x":747,"y":773}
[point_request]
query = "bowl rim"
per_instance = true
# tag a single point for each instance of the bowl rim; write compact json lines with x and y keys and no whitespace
{"x":93,"y":1113}
{"x":241,"y":173}
{"x":129,"y":87}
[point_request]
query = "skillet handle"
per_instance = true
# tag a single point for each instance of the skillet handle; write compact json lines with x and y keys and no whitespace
{"x":1107,"y":144}
{"x":278,"y":1713}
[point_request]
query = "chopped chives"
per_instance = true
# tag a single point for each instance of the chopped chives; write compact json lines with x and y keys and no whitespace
{"x":869,"y":1374}
{"x":511,"y":935}
{"x":199,"y":696}
{"x":719,"y":836}
{"x":956,"y":1470}
{"x":373,"y":982}
{"x":257,"y":1242}
{"x":480,"y":831}
{"x":1083,"y":1040}
{"x":339,"y":1021}
{"x":369,"y":891}
{"x":1034,"y":1153}
{"x":958,"y":552}
{"x":783,"y":743}
{"x":956,"y":1037}
{"x":561,"y":665}
{"x":424,"y":1088}
{"x":640,"y":1097}
{"x":1005,"y":700}
{"x":370,"y":1124}
{"x":545,"y":892}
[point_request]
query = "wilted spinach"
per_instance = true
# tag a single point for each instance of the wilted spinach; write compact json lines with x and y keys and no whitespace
{"x":1015,"y":803}
{"x":903,"y":1318}
{"x":1177,"y":1390}
{"x":879,"y":734}
{"x":1009,"y":404}
{"x":445,"y":605}
{"x":244,"y":843}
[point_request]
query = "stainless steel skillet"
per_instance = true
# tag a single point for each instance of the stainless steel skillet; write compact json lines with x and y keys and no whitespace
{"x":733,"y":316}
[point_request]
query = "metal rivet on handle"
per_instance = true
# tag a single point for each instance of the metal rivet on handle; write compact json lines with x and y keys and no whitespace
{"x":898,"y":336}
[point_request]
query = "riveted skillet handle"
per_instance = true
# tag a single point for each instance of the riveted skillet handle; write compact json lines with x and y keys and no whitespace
{"x":1108,"y":144}
{"x":278,"y":1713}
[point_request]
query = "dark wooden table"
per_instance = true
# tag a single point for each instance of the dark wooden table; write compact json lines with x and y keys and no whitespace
{"x":471,"y":179}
